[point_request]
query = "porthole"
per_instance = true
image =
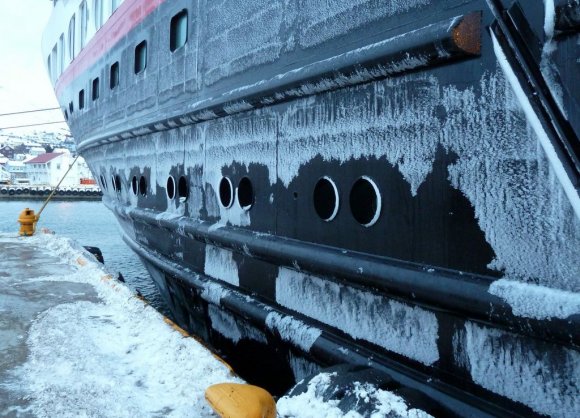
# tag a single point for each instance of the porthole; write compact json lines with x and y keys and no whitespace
{"x":71,"y":108}
{"x":82,"y":99}
{"x":226,"y":192}
{"x":143,"y":186}
{"x":170,"y":187}
{"x":365,"y":201}
{"x":117,"y":183}
{"x":245,"y":193}
{"x":182,"y":191}
{"x":326,"y":202}
{"x":134,"y":185}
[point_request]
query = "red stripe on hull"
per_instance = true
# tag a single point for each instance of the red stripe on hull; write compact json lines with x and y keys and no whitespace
{"x":121,"y":22}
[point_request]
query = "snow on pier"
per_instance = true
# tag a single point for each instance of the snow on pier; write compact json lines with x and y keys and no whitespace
{"x":75,"y":342}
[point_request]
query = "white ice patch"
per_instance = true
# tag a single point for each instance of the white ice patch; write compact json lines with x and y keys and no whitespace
{"x":219,"y":263}
{"x":538,"y":128}
{"x":114,"y":358}
{"x":226,"y":325}
{"x":544,"y":379}
{"x":311,"y":404}
{"x":403,"y":329}
{"x":213,"y":292}
{"x":301,"y":367}
{"x":538,"y":302}
{"x":293,"y":330}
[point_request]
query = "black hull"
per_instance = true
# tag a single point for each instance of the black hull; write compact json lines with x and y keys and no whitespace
{"x":395,"y":187}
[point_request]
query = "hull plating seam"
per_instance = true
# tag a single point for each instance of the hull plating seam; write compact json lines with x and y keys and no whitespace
{"x":464,"y":294}
{"x":428,"y":46}
{"x":327,"y":348}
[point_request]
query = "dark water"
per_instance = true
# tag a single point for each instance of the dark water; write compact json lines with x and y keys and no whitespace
{"x":90,"y":224}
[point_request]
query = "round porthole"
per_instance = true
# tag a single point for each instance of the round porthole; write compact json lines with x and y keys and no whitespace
{"x":170,"y":187}
{"x":117,"y":183}
{"x":245,"y":193}
{"x":134,"y":185}
{"x":143,"y":186}
{"x":182,"y":191}
{"x":226,"y":192}
{"x":365,"y":201}
{"x":325,"y":199}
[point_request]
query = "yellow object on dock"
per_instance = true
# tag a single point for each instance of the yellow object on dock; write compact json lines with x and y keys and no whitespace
{"x":234,"y":400}
{"x":27,"y":221}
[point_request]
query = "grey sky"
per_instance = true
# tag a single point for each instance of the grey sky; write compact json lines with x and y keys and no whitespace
{"x":24,"y":83}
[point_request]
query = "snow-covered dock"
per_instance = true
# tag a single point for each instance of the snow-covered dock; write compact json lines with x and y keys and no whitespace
{"x":75,"y":342}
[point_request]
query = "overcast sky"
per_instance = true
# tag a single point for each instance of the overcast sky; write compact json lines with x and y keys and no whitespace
{"x":24,"y":83}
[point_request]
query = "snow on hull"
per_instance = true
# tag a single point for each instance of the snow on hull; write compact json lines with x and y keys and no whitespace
{"x":310,"y":404}
{"x":409,"y":331}
{"x":539,"y":302}
{"x":541,"y":376}
{"x":219,"y":263}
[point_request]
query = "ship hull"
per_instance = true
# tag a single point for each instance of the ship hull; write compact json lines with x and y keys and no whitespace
{"x":379,"y":185}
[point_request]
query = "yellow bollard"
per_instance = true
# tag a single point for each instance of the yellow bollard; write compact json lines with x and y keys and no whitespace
{"x":27,"y":221}
{"x":234,"y":400}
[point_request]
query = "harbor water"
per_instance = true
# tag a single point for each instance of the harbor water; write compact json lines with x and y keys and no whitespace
{"x":89,"y":223}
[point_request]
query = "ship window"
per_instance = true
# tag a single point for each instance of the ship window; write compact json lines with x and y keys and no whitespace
{"x":245,"y":193}
{"x":48,"y":64}
{"x":84,"y":16}
{"x":65,"y":114}
{"x":114,"y":75}
{"x":365,"y":201}
{"x":95,"y":91}
{"x":82,"y":99}
{"x":103,"y":183}
{"x":182,"y":189}
{"x":178,"y":30}
{"x":134,"y":185}
{"x":226,"y":192}
{"x":71,"y":108}
{"x":113,"y":183}
{"x":170,"y":187}
{"x":140,"y":57}
{"x":117,"y":183}
{"x":61,"y":54}
{"x":326,"y":201}
{"x":98,"y":11}
{"x":143,"y":186}
{"x":71,"y":38}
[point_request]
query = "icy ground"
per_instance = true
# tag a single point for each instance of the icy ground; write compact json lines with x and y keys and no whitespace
{"x":74,"y":342}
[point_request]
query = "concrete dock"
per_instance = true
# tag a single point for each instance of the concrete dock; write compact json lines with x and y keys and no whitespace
{"x":75,"y":342}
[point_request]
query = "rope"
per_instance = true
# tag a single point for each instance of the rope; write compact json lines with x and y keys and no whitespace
{"x":56,"y":188}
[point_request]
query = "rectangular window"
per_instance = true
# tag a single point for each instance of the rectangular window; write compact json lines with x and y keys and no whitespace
{"x":84,"y":16}
{"x":98,"y":10}
{"x":140,"y":57}
{"x":71,"y":108}
{"x":114,"y":75}
{"x":81,"y":99}
{"x":61,"y":54}
{"x":71,"y":38}
{"x":54,"y":60}
{"x":95,"y":91}
{"x":178,"y":30}
{"x":49,"y":64}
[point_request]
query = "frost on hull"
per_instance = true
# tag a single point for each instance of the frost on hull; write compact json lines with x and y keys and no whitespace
{"x":520,"y":206}
{"x":406,"y":330}
{"x":542,"y":376}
